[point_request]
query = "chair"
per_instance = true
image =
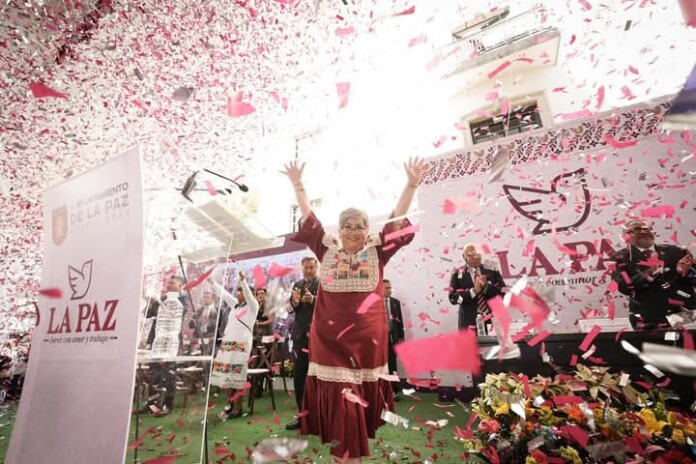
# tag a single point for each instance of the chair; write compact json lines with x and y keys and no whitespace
{"x":263,"y":374}
{"x":278,"y":359}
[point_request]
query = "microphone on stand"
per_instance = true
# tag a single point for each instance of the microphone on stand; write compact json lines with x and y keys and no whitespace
{"x":242,"y":187}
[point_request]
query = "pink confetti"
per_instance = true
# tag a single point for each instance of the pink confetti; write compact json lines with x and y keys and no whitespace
{"x":162,"y":460}
{"x":619,"y":144}
{"x":368,"y":302}
{"x":343,"y":332}
{"x":613,"y":286}
{"x":41,"y":90}
{"x":276,"y":270}
{"x":576,"y":115}
{"x":51,"y":292}
{"x":211,"y":189}
{"x":589,"y":338}
{"x":666,"y":211}
{"x":457,"y":351}
{"x":499,"y":69}
{"x":401,"y":232}
{"x":600,"y":97}
{"x":344,"y":31}
{"x":688,"y":340}
{"x":501,"y":314}
{"x":259,"y":277}
{"x":354,"y":398}
{"x":542,"y":335}
{"x":407,"y":11}
{"x":195,"y":283}
{"x":532,"y":305}
{"x":585,"y":4}
{"x":343,"y":89}
{"x":449,"y":207}
{"x":417,"y":40}
{"x":237,"y":108}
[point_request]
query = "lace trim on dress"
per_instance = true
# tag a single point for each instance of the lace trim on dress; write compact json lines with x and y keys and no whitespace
{"x":346,"y":375}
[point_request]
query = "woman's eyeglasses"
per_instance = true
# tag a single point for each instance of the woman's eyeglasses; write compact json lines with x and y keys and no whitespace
{"x":354,"y":228}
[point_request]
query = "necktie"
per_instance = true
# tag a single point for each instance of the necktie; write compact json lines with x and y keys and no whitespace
{"x":481,"y":305}
{"x":386,"y":307}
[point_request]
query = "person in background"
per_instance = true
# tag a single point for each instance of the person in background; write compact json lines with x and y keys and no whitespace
{"x":656,"y":278}
{"x":302,"y":300}
{"x":264,"y":320}
{"x":163,"y":374}
{"x":348,"y":341}
{"x":230,"y":363}
{"x":395,"y":328}
{"x":471,"y":286}
{"x":203,"y":323}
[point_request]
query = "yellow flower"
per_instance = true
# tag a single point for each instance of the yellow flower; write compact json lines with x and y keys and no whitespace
{"x":651,"y":423}
{"x":678,"y":436}
{"x":504,"y":409}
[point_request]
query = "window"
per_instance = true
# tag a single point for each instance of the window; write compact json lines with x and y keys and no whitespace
{"x":523,"y":119}
{"x":295,"y":214}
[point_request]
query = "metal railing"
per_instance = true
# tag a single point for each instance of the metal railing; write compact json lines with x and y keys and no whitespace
{"x":496,"y":37}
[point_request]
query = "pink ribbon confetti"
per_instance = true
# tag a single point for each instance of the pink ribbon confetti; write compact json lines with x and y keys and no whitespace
{"x":41,"y":90}
{"x":589,"y":338}
{"x":51,"y":292}
{"x":457,"y":351}
{"x":343,"y":89}
{"x":368,"y":302}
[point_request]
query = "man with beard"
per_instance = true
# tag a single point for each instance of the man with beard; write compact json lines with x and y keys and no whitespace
{"x":656,"y":278}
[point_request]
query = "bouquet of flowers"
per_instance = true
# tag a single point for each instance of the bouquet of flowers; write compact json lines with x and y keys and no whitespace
{"x":592,"y":416}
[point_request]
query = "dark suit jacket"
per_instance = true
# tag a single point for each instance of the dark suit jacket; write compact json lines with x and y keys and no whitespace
{"x":460,"y":286}
{"x":303,"y":314}
{"x":653,"y":299}
{"x":396,"y":321}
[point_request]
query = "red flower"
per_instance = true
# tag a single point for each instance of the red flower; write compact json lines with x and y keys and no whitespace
{"x":489,"y":426}
{"x":539,"y":456}
{"x":673,"y":457}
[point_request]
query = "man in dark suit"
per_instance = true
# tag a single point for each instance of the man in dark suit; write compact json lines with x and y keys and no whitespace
{"x":656,"y":278}
{"x":304,"y":294}
{"x":471,"y":286}
{"x":395,"y":328}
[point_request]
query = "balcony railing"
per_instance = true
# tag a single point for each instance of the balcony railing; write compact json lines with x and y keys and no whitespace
{"x":496,"y":41}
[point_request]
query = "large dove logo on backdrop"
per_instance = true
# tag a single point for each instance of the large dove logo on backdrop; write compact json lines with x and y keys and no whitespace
{"x":80,"y":280}
{"x":566,"y":204}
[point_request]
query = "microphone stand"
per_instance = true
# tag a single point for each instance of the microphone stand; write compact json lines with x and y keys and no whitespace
{"x":197,"y":326}
{"x":242,"y":187}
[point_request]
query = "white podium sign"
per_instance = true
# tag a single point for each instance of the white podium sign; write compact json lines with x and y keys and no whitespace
{"x":76,"y":402}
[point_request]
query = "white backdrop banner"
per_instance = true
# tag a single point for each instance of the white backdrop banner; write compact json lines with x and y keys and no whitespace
{"x":76,"y":402}
{"x":588,"y":178}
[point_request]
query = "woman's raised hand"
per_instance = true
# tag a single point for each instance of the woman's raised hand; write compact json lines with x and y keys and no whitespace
{"x":293,"y":170}
{"x":414,"y":169}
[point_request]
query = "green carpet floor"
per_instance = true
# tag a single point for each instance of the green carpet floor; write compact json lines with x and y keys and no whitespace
{"x":180,"y":433}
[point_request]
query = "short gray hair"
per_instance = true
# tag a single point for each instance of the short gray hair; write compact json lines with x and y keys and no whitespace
{"x":352,"y":213}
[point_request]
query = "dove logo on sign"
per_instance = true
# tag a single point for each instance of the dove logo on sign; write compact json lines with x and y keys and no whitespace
{"x":80,"y":280}
{"x":564,"y":206}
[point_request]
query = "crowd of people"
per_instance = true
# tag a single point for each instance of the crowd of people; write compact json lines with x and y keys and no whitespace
{"x":341,"y":338}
